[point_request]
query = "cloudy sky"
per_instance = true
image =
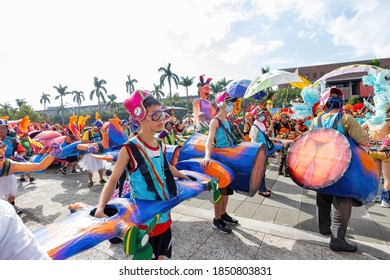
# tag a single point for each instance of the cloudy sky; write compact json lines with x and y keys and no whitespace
{"x":47,"y":43}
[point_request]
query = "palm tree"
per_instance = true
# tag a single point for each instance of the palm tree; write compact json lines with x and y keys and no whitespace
{"x":6,"y":107}
{"x":187,"y":82}
{"x":78,"y":97}
{"x":168,"y":75}
{"x":20,"y":102}
{"x":224,"y":83}
{"x":61,"y":93}
{"x":44,"y":99}
{"x":265,"y":69}
{"x":130,"y":84}
{"x":112,"y":103}
{"x":99,"y":91}
{"x":215,"y":88}
{"x":157,"y":92}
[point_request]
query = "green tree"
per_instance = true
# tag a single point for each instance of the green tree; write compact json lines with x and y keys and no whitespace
{"x":62,"y":91}
{"x":99,"y":91}
{"x":224,"y":83}
{"x":269,"y":91}
{"x":285,"y":95}
{"x":78,"y":97}
{"x":112,"y":103}
{"x":187,"y":82}
{"x":217,"y":87}
{"x":353,"y":100}
{"x":157,"y":92}
{"x":44,"y":99}
{"x":20,"y":102}
{"x":6,"y":108}
{"x":130,"y":84}
{"x":26,"y":110}
{"x":375,"y":62}
{"x":170,"y":76}
{"x":265,"y":69}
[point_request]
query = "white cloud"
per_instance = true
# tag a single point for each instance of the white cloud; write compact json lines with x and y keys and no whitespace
{"x":309,"y":35}
{"x":243,"y":49}
{"x":46,"y":42}
{"x":367,"y":31}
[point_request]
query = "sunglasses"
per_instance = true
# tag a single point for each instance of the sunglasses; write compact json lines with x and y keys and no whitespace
{"x":229,"y":103}
{"x":158,"y":115}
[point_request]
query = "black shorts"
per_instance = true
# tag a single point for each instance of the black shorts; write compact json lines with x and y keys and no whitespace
{"x":162,"y":244}
{"x":72,"y":158}
{"x":226,"y":191}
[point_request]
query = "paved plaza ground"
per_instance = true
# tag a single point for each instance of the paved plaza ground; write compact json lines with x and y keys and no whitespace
{"x":281,"y":227}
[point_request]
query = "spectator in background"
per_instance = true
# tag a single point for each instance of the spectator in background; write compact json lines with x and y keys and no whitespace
{"x":125,"y":128}
{"x":203,"y":126}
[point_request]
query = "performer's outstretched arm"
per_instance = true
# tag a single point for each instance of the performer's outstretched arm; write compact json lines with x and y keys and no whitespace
{"x":26,"y":167}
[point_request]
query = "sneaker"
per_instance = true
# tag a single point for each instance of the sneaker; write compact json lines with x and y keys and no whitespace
{"x":339,"y":245}
{"x":377,"y":198}
{"x":90,"y":184}
{"x":22,"y":180}
{"x":385,"y":204}
{"x":226,"y":218}
{"x":17,"y":209}
{"x":32,"y":179}
{"x":102,"y":181}
{"x":63,"y":170}
{"x":74,"y":172}
{"x":221,"y":226}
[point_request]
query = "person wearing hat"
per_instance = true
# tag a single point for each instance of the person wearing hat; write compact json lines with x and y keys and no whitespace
{"x":203,"y":126}
{"x":144,"y":152}
{"x":203,"y":104}
{"x":259,"y":134}
{"x":168,"y":135}
{"x":335,"y":223}
{"x":12,"y":147}
{"x":247,"y":126}
{"x":221,"y":133}
{"x":282,"y":129}
{"x":125,"y":127}
{"x":88,"y":163}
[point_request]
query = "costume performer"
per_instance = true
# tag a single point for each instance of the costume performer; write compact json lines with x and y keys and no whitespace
{"x":10,"y":181}
{"x":379,"y":130}
{"x":337,"y":224}
{"x":203,"y":105}
{"x":282,"y":130}
{"x":72,"y":134}
{"x":88,"y":163}
{"x":221,"y":134}
{"x":168,"y":134}
{"x":247,"y":126}
{"x":150,"y":175}
{"x":259,"y":134}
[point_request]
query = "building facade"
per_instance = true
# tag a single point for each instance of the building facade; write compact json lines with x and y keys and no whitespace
{"x":350,"y":84}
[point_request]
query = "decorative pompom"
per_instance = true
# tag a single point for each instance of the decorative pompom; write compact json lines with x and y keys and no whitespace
{"x":310,"y":95}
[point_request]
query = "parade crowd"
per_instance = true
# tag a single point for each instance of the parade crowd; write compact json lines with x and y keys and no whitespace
{"x":151,"y":127}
